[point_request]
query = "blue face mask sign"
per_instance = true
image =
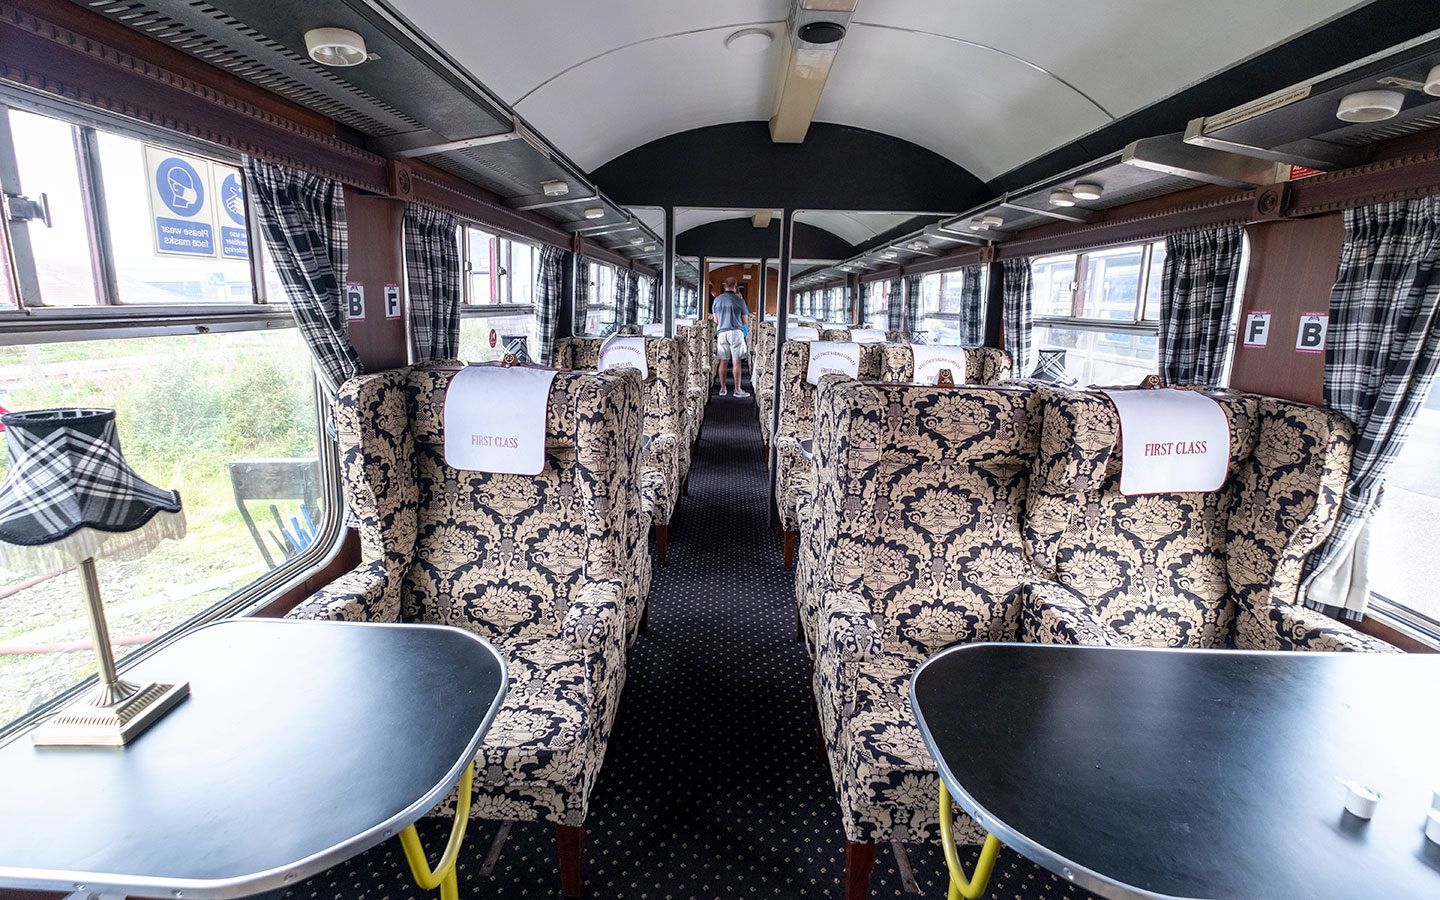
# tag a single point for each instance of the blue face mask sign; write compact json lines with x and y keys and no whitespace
{"x":181,"y":212}
{"x":180,"y":186}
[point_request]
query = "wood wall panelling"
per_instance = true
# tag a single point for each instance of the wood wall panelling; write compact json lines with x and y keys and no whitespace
{"x":1292,"y":268}
{"x":750,"y":290}
{"x":376,"y":259}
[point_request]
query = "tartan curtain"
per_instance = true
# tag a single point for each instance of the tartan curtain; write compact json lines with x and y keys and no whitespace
{"x":624,"y":299}
{"x":912,"y":303}
{"x":582,"y":295}
{"x":549,"y":286}
{"x":1381,"y":354}
{"x":894,"y":311}
{"x":302,"y":217}
{"x":972,"y":306}
{"x":432,"y":267}
{"x":1197,"y":304}
{"x":1017,"y":287}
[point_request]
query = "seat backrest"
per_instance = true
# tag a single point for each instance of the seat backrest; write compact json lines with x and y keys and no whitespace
{"x":503,"y":555}
{"x":797,"y":395}
{"x":898,"y":337}
{"x":920,"y":493}
{"x":692,"y":344}
{"x":835,"y":334}
{"x":983,"y":365}
{"x":1286,"y":500}
{"x":1152,"y":566}
{"x":664,"y":383}
{"x":764,"y":357}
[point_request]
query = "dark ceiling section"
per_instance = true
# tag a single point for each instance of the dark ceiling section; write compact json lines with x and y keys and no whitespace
{"x":837,"y":167}
{"x":738,"y":239}
{"x":1372,"y":28}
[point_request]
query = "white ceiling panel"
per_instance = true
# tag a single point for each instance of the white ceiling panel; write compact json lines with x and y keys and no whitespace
{"x":988,"y":86}
{"x":515,"y":47}
{"x":854,"y":227}
{"x":1122,"y":54}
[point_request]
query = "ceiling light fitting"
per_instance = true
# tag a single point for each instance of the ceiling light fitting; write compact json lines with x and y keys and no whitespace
{"x":553,"y":188}
{"x":1062,"y":197}
{"x":335,"y":47}
{"x":1370,"y":106}
{"x":918,"y":245}
{"x":595,"y":212}
{"x":649,"y":247}
{"x":980,"y":222}
{"x":1432,"y":82}
{"x":1087,"y":191}
{"x":889,"y":254}
{"x":637,"y":240}
{"x":749,"y":41}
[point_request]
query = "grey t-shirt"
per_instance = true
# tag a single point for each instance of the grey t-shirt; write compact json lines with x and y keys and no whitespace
{"x":729,"y":311}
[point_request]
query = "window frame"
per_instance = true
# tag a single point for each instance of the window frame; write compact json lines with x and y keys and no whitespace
{"x":21,"y":262}
{"x":504,"y":243}
{"x":108,"y":319}
{"x":958,"y":318}
{"x":1079,"y":287}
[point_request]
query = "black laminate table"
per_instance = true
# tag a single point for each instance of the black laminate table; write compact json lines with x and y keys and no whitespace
{"x":1191,"y":773}
{"x":301,"y":744}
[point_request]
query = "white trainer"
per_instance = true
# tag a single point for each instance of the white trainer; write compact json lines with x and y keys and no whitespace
{"x":741,"y":393}
{"x":724,"y":393}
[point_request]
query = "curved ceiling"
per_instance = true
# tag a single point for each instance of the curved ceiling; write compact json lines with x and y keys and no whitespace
{"x":987,"y":86}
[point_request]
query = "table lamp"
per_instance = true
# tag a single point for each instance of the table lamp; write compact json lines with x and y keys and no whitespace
{"x":70,"y":497}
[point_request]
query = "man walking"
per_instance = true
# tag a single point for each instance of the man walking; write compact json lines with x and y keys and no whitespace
{"x":731,"y":316}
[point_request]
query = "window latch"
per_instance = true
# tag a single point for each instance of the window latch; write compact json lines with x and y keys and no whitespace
{"x":19,"y":208}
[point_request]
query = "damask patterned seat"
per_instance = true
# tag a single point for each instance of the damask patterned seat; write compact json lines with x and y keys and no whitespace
{"x":1207,"y":570}
{"x":797,"y":423}
{"x":697,"y":378}
{"x":762,"y":382}
{"x":919,"y":495}
{"x":835,"y":334}
{"x":542,"y":566}
{"x":897,"y":337}
{"x":666,"y":465}
{"x":983,"y":365}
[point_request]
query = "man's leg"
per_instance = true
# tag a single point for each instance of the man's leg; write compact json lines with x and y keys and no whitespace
{"x":735,"y":371}
{"x":720,"y":373}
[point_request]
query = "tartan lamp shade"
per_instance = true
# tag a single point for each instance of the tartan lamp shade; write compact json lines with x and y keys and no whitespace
{"x":70,"y":494}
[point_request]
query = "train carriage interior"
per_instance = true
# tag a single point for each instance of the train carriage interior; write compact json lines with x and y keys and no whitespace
{"x":765,"y":448}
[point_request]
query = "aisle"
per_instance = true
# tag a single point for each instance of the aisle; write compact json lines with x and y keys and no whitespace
{"x":710,"y":785}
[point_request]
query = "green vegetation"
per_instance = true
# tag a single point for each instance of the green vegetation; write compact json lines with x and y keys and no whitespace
{"x":185,"y":407}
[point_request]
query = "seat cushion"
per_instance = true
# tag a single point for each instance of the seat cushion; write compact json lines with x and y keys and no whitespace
{"x":541,"y":754}
{"x":889,"y":789}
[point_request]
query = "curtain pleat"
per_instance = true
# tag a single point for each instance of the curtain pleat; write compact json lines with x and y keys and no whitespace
{"x":549,"y":287}
{"x":432,"y":268}
{"x":302,"y":217}
{"x":972,"y":306}
{"x":582,"y":295}
{"x":1197,"y":304}
{"x":912,"y":303}
{"x":1017,"y":288}
{"x":1381,"y":354}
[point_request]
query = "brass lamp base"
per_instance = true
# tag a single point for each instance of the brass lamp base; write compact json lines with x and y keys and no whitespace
{"x":91,"y":722}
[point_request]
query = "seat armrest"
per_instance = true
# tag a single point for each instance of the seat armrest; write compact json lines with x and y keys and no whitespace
{"x":1287,"y":627}
{"x":367,"y":593}
{"x":848,"y":630}
{"x":1051,"y":613}
{"x":595,"y":620}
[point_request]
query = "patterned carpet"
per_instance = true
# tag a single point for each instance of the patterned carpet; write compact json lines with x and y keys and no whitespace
{"x":710,"y":785}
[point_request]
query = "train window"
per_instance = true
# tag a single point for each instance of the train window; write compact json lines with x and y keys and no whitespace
{"x":943,"y":316}
{"x":1403,"y":565}
{"x":230,"y":421}
{"x":497,"y":314}
{"x":1102,"y":310}
{"x":877,"y":303}
{"x":125,"y":221}
{"x":600,"y":299}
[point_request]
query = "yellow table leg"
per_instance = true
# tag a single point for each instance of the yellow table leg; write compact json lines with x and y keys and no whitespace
{"x":960,"y":886}
{"x":443,"y":875}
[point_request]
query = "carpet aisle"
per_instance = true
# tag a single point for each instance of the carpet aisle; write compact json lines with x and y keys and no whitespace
{"x":710,"y":785}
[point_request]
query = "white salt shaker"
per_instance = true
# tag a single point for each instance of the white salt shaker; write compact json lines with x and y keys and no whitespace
{"x":1360,"y":800}
{"x":1432,"y":826}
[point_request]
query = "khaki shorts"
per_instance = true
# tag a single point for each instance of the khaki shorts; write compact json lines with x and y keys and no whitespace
{"x":730,"y":345}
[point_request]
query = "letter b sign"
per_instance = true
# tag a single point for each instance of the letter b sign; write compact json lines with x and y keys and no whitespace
{"x":1311,"y":336}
